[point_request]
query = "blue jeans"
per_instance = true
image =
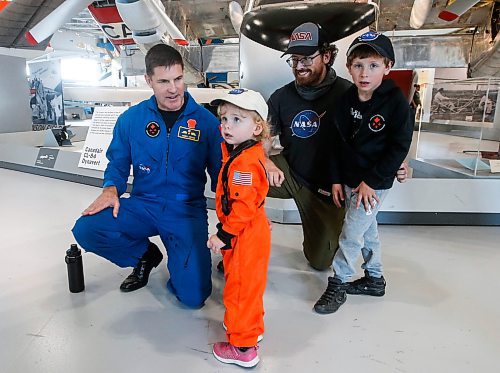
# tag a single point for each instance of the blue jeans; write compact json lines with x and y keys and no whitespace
{"x":359,"y":235}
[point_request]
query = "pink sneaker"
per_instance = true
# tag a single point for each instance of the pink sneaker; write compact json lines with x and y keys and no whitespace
{"x":227,"y":353}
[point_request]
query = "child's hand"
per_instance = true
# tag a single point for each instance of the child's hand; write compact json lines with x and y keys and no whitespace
{"x":270,"y":223}
{"x":338,"y":195}
{"x":274,"y":175}
{"x":367,"y":196}
{"x":215,"y":244}
{"x":402,"y":173}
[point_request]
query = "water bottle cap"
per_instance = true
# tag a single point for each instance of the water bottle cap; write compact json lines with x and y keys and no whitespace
{"x":73,"y":250}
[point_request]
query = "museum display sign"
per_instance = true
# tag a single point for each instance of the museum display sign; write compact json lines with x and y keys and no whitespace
{"x":46,"y":95}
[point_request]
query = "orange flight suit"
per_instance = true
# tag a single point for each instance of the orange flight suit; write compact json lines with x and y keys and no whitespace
{"x":245,"y":264}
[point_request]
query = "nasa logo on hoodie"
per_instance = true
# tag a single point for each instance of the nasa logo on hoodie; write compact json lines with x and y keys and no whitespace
{"x":306,"y":123}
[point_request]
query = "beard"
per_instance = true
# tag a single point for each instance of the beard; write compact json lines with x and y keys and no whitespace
{"x":312,"y":79}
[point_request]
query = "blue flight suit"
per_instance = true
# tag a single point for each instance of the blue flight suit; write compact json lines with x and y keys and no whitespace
{"x":167,"y":197}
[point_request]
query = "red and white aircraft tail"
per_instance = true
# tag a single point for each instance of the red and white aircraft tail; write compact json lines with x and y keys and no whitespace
{"x":456,"y":9}
{"x":4,"y":3}
{"x":111,"y":24}
{"x":123,"y":23}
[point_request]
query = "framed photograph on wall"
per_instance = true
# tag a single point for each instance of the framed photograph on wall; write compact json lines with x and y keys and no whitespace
{"x":46,"y":95}
{"x":463,"y":103}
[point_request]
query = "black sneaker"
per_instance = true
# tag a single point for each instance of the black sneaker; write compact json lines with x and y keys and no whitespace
{"x":140,"y":274}
{"x":333,"y":297}
{"x":367,"y":285}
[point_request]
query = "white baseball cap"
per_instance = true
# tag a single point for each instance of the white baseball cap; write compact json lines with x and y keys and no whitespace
{"x":245,"y":99}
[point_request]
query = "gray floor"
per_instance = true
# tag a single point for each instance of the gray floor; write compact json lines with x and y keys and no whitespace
{"x":440,"y":314}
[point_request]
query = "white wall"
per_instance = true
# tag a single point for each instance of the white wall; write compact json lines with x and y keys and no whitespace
{"x":15,"y":112}
{"x":458,"y":73}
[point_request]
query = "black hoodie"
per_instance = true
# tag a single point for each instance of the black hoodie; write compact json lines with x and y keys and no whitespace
{"x":307,"y":150}
{"x":372,"y":138}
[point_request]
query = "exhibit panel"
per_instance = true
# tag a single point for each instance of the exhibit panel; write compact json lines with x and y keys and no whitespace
{"x":46,"y":94}
{"x":461,"y":138}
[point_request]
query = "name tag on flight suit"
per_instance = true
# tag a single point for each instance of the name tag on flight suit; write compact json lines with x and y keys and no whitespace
{"x":189,"y":133}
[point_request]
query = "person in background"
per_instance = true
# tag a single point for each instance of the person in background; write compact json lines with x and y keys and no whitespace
{"x":486,"y":107}
{"x":416,"y":102}
{"x":373,"y":134}
{"x":442,"y":102}
{"x":243,"y":233}
{"x":170,"y":141}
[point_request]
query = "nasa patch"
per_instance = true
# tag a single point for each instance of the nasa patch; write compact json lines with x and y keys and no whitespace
{"x":144,"y":169}
{"x":376,"y":123}
{"x":237,"y":91}
{"x":369,"y":36}
{"x":152,"y":129}
{"x":306,"y":123}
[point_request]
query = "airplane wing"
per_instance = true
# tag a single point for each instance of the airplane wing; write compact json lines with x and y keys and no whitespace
{"x":199,"y":22}
{"x":201,"y":19}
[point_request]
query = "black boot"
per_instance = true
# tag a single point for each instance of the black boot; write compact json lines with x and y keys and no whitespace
{"x":333,"y":297}
{"x":140,"y":275}
{"x":367,"y":285}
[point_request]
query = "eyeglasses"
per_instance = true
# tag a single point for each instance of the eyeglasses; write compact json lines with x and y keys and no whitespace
{"x":305,"y":61}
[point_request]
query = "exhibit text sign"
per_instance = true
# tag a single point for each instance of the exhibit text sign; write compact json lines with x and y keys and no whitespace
{"x":46,"y":157}
{"x":99,"y":137}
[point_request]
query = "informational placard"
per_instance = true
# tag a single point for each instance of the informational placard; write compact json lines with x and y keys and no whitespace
{"x":46,"y":157}
{"x":99,"y":137}
{"x":495,"y":165}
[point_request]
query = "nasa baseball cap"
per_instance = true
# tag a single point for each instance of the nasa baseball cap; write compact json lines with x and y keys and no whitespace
{"x":245,"y":99}
{"x":379,"y":42}
{"x":306,"y":39}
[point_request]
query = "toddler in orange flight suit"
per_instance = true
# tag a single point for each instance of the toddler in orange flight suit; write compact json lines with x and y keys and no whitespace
{"x":243,"y":233}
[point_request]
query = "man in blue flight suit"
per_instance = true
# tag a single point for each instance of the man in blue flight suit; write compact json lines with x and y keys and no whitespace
{"x":170,"y":141}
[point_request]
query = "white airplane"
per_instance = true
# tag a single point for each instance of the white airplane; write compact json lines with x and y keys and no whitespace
{"x":192,"y":25}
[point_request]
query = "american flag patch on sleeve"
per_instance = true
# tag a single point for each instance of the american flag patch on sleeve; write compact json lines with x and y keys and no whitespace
{"x":242,"y":178}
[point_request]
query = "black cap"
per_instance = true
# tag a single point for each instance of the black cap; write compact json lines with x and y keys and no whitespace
{"x":379,"y":42}
{"x":306,"y":39}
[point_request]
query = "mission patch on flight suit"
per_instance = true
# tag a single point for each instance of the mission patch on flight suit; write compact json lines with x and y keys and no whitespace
{"x":152,"y":129}
{"x":190,"y":132}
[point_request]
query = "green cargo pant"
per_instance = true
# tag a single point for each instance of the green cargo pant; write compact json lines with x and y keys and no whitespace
{"x":321,"y":220}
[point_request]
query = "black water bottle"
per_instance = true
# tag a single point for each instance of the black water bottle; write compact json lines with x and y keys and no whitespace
{"x":75,"y":269}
